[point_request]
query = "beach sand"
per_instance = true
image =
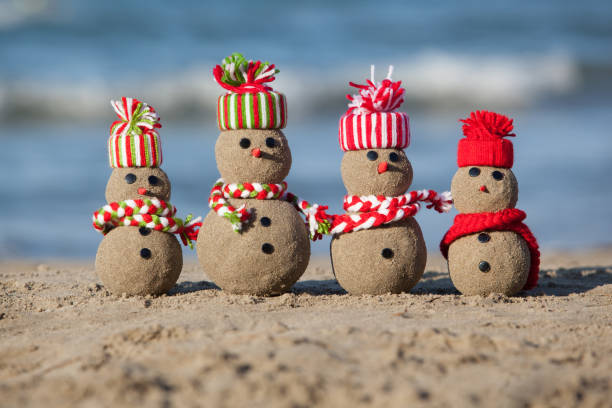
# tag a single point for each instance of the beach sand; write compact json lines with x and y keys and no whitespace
{"x":65,"y":341}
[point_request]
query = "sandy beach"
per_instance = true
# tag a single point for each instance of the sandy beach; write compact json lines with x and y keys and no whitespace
{"x":65,"y":341}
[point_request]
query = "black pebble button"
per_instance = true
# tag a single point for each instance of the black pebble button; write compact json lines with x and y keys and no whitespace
{"x":393,"y":157}
{"x":245,"y":143}
{"x":145,"y":253}
{"x":144,"y":231}
{"x":153,"y":180}
{"x":270,"y":142}
{"x":474,"y":172}
{"x":484,"y":237}
{"x":484,"y":266}
{"x":130,"y":178}
{"x":387,"y":253}
{"x":372,"y":155}
{"x":498,"y":175}
{"x":265,"y":221}
{"x":267,"y":248}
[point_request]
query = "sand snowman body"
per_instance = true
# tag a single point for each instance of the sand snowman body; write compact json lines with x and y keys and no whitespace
{"x":267,"y":257}
{"x":138,"y":260}
{"x":487,"y":245}
{"x":272,"y":250}
{"x":387,"y":259}
{"x":489,"y":262}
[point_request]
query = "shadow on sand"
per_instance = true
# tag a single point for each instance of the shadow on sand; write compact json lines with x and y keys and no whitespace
{"x":190,"y":286}
{"x":553,"y":282}
{"x":566,"y":281}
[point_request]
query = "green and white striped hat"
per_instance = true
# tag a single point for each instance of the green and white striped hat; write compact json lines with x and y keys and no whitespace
{"x":134,"y":141}
{"x":249,"y":103}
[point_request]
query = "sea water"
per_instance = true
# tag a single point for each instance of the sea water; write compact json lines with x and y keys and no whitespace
{"x":546,"y":64}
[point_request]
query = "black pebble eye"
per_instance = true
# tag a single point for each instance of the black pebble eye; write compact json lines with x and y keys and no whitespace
{"x":265,"y":221}
{"x":484,"y":237}
{"x":393,"y":157}
{"x":144,"y":231}
{"x":145,"y":253}
{"x":484,"y":266}
{"x":130,"y":178}
{"x":153,"y":180}
{"x":474,"y":172}
{"x":387,"y":253}
{"x":372,"y":155}
{"x":498,"y":175}
{"x":245,"y":143}
{"x":267,"y":248}
{"x":270,"y":142}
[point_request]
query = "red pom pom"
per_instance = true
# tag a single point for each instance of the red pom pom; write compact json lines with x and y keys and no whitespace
{"x":487,"y":125}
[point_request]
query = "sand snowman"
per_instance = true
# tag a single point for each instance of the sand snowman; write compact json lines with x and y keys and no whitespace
{"x":254,"y":240}
{"x":145,"y":258}
{"x":378,"y":246}
{"x":489,"y":249}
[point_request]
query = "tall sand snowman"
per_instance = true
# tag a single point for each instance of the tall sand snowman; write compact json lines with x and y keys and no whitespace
{"x":139,"y":254}
{"x":489,"y":249}
{"x":254,"y":241}
{"x":378,"y":246}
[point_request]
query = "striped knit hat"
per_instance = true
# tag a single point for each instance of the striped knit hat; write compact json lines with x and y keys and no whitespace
{"x":250,"y":103}
{"x":134,"y":141}
{"x":371,"y":121}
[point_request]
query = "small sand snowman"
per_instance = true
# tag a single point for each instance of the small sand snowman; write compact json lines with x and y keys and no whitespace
{"x":254,"y":241}
{"x":489,"y":249}
{"x":145,"y":259}
{"x":378,"y":246}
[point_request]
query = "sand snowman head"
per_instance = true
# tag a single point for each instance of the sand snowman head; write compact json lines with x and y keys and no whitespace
{"x":135,"y":154}
{"x":251,"y":146}
{"x":484,"y":181}
{"x":373,"y":135}
{"x":253,"y":155}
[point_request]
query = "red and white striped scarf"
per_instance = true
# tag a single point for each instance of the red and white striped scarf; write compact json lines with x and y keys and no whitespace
{"x":365,"y":212}
{"x":317,"y":221}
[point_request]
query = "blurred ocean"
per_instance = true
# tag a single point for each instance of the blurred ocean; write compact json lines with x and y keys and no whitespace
{"x":548,"y":64}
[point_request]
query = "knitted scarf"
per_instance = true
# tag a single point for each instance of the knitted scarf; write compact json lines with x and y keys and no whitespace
{"x":372,"y":211}
{"x":316,"y":219}
{"x":151,"y":213}
{"x":505,"y":220}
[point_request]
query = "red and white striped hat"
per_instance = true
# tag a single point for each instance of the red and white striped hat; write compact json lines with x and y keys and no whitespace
{"x":371,"y":122}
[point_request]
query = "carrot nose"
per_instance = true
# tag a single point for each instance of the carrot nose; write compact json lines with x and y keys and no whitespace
{"x":256,"y":152}
{"x":483,"y":189}
{"x":382,"y":167}
{"x":142,"y":191}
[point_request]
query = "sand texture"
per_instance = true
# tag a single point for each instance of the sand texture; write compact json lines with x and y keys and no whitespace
{"x":66,"y":341}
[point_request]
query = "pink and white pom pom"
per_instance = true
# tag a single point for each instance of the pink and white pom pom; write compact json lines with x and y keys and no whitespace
{"x":385,"y":96}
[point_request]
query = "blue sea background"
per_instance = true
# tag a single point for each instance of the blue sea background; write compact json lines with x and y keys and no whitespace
{"x":547,"y":64}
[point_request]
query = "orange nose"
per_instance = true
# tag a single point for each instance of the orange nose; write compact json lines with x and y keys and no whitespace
{"x":382,"y":167}
{"x":483,"y":189}
{"x":256,"y":152}
{"x":142,"y":191}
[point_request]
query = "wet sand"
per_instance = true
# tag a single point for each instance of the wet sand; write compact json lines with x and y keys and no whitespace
{"x":65,"y":341}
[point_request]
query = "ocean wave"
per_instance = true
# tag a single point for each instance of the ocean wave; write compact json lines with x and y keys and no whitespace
{"x":433,"y":80}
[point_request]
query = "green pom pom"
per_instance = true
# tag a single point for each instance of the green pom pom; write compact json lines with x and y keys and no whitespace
{"x":236,"y":70}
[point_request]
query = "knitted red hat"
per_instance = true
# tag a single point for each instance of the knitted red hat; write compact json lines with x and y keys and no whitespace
{"x":371,"y":121}
{"x":484,"y":143}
